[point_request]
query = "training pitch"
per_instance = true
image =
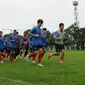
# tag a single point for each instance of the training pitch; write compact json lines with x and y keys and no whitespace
{"x":24,"y":73}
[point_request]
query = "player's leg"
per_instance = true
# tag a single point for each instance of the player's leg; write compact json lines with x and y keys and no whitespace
{"x":36,"y":53}
{"x":33,"y":55}
{"x":1,"y":57}
{"x":8,"y":54}
{"x":40,"y":56}
{"x":57,"y":48}
{"x":17,"y":51}
{"x":26,"y":52}
{"x":44,"y":51}
{"x":62,"y":54}
{"x":5,"y":54}
{"x":62,"y":57}
{"x":12,"y":54}
{"x":21,"y":52}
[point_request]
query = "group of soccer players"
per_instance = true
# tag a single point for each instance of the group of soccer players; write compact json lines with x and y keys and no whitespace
{"x":35,"y":40}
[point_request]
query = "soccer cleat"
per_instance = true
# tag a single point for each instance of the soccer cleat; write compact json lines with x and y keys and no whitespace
{"x":2,"y":62}
{"x":27,"y":58}
{"x":49,"y":56}
{"x":33,"y":62}
{"x":15,"y":60}
{"x":61,"y":62}
{"x":40,"y":65}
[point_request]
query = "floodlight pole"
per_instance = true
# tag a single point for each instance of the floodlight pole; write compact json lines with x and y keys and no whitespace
{"x":76,"y":21}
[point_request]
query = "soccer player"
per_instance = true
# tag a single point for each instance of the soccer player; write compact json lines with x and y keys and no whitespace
{"x":26,"y":44}
{"x":59,"y":45}
{"x":7,"y":46}
{"x":19,"y":45}
{"x":31,"y":49}
{"x":13,"y":39}
{"x":2,"y":47}
{"x":43,"y":40}
{"x":36,"y":41}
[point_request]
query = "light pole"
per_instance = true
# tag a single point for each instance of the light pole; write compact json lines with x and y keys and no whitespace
{"x":76,"y":21}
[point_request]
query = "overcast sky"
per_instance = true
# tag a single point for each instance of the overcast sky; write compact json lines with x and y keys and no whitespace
{"x":23,"y":14}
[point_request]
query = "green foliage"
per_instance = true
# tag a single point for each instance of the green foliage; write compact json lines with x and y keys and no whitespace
{"x":27,"y":31}
{"x":75,"y":36}
{"x":7,"y":35}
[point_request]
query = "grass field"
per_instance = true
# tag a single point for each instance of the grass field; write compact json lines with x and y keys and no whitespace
{"x":23,"y":73}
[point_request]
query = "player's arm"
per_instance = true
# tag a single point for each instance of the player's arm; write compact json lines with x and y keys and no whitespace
{"x":56,"y":36}
{"x":29,"y":41}
{"x":59,"y":38}
{"x":43,"y":37}
{"x":35,"y":35}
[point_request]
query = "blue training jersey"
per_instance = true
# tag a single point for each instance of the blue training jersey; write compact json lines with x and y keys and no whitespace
{"x":7,"y":43}
{"x":2,"y":45}
{"x":13,"y":37}
{"x":43,"y":40}
{"x":36,"y":40}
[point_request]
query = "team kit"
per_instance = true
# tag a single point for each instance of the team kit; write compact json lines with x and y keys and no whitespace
{"x":36,"y":41}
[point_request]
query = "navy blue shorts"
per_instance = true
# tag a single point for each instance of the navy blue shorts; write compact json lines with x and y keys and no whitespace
{"x":2,"y":50}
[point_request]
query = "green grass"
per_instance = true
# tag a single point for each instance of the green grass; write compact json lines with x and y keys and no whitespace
{"x":23,"y":73}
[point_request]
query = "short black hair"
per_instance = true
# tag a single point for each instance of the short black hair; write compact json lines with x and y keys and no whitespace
{"x":61,"y":24}
{"x":40,"y":21}
{"x":17,"y":32}
{"x":45,"y":29}
{"x":14,"y":31}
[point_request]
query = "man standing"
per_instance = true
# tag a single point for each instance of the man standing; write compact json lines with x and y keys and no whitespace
{"x":59,"y":45}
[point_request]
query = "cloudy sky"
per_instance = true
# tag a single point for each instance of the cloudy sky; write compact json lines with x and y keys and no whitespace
{"x":23,"y":14}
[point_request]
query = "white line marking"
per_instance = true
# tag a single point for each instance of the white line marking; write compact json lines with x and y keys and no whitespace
{"x":16,"y":81}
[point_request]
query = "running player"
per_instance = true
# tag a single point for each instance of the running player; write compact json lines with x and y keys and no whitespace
{"x":19,"y":45}
{"x":36,"y":41}
{"x":43,"y":40}
{"x":59,"y":45}
{"x":26,"y":44}
{"x":7,"y":46}
{"x":2,"y":47}
{"x":13,"y":39}
{"x":17,"y":51}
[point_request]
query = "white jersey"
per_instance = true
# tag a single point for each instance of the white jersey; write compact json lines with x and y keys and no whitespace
{"x":59,"y":36}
